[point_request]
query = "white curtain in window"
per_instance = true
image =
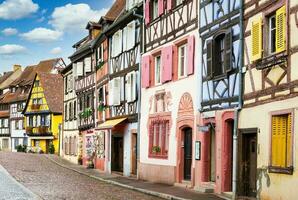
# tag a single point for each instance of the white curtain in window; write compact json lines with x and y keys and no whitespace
{"x":116,"y":90}
{"x":80,"y":69}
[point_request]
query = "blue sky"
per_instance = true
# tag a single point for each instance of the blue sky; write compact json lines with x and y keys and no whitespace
{"x":34,"y":30}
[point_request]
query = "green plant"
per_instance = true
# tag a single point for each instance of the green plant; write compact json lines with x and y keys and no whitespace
{"x":51,"y":148}
{"x":156,"y":149}
{"x":86,"y":113}
{"x":101,"y":108}
{"x":21,"y":148}
{"x":99,"y":65}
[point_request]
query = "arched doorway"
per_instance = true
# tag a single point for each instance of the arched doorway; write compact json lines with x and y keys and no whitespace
{"x":184,"y":134}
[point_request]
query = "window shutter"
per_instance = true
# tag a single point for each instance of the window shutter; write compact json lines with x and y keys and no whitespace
{"x":169,"y":4}
{"x":257,"y":37}
{"x":111,"y":96}
{"x":38,"y":120}
{"x":87,"y":62}
{"x":48,"y":120}
{"x":6,"y":122}
{"x":116,"y":91}
{"x":125,"y":39}
{"x":74,"y":69}
{"x":280,"y":29}
{"x":228,"y":51}
{"x":147,"y":12}
{"x":160,"y":7}
{"x":131,"y":37}
{"x":34,"y":121}
{"x":167,"y":63}
{"x":190,"y":56}
{"x":209,"y":58}
{"x":128,"y":87}
{"x":120,"y":42}
{"x":289,"y":141}
{"x":134,"y":86}
{"x":278,"y":143}
{"x":145,"y":71}
{"x":27,"y":122}
{"x":80,"y":69}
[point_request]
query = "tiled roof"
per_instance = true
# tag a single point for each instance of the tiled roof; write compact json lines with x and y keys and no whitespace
{"x":5,"y":76}
{"x":53,"y":90}
{"x":115,"y":10}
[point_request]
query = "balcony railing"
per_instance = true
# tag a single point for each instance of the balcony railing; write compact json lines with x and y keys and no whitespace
{"x":40,"y":130}
{"x":86,"y":118}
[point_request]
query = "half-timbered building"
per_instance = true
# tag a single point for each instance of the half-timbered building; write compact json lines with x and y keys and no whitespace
{"x":267,"y":146}
{"x":169,"y":88}
{"x":17,"y":95}
{"x":221,"y":55}
{"x":5,"y":80}
{"x":70,"y":145}
{"x":101,"y":51}
{"x":121,"y":121}
{"x":84,"y":77}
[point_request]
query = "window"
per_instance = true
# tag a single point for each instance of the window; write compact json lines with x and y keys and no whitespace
{"x":272,"y":34}
{"x":66,"y":84}
{"x":70,"y":111}
{"x":219,"y":55}
{"x":31,"y":121}
{"x":182,"y":60}
{"x":154,"y":10}
{"x":159,"y":138}
{"x":100,"y":54}
{"x":43,"y":120}
{"x":17,"y":125}
{"x":281,"y":143}
{"x":157,"y":70}
{"x":75,"y":109}
{"x":36,"y":83}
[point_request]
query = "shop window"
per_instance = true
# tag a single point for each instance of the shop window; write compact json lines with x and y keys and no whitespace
{"x":159,"y":138}
{"x":281,"y":144}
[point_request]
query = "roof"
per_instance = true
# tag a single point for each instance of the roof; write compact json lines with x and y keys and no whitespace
{"x":93,"y":24}
{"x":52,"y":85}
{"x":5,"y":76}
{"x":115,"y":10}
{"x":26,"y":79}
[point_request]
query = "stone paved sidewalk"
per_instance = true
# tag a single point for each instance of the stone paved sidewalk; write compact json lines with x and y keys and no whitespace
{"x":159,"y":190}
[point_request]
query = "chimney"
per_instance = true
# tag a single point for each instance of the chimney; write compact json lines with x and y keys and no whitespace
{"x":17,"y":67}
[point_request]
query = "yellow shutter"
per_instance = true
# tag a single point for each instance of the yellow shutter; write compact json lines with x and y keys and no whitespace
{"x":279,"y":138}
{"x":289,"y":141}
{"x":257,"y":44}
{"x":280,"y":42}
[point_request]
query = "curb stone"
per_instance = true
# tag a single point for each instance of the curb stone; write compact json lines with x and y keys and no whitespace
{"x":149,"y":192}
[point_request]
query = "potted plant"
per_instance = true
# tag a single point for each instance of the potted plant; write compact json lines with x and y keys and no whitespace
{"x":101,"y":107}
{"x":51,"y":148}
{"x":156,"y":149}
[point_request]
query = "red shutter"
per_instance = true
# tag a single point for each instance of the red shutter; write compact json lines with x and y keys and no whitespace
{"x":169,"y":4}
{"x":191,"y":53}
{"x":145,"y":71}
{"x":160,"y":7}
{"x":167,"y":63}
{"x":147,"y":12}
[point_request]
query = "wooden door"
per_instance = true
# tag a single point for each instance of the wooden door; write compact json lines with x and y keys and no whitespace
{"x":134,"y":153}
{"x":187,"y":153}
{"x":117,"y":154}
{"x":249,"y":165}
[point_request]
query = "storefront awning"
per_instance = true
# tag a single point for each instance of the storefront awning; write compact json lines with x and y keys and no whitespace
{"x":111,"y":123}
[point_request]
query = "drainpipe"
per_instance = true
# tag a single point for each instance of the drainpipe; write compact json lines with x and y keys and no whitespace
{"x":240,"y":102}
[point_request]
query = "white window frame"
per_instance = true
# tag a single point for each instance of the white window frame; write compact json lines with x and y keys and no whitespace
{"x":180,"y":63}
{"x":155,"y":70}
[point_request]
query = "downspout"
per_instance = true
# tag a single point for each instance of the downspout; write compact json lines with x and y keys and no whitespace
{"x":140,"y":18}
{"x":240,"y":102}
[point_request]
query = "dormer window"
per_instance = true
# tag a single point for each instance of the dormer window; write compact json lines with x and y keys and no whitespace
{"x":36,"y":83}
{"x":13,"y":90}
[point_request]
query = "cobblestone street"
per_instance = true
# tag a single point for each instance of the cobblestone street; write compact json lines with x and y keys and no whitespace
{"x":50,"y":181}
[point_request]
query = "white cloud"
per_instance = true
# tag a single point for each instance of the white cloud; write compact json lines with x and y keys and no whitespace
{"x":12,"y":49}
{"x":10,"y":31}
{"x":42,"y":35}
{"x":16,"y":9}
{"x":74,"y":17}
{"x":56,"y":50}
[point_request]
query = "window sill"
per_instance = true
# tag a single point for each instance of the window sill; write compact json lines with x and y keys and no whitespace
{"x":157,"y":156}
{"x":281,"y":170}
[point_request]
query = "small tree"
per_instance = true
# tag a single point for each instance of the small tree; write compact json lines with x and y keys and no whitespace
{"x":51,"y":148}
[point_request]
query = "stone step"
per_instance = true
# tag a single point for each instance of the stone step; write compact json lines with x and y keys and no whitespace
{"x":206,"y":188}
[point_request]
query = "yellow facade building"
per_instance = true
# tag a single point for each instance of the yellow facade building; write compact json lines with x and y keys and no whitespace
{"x":43,"y":113}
